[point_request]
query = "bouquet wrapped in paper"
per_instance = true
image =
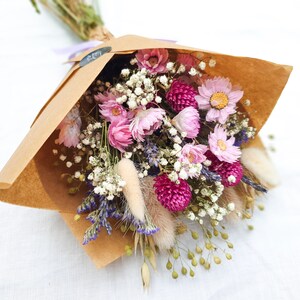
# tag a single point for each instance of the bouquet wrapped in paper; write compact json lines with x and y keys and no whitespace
{"x":144,"y":138}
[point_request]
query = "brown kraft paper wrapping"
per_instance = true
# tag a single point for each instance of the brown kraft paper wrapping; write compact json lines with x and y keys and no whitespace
{"x":29,"y":179}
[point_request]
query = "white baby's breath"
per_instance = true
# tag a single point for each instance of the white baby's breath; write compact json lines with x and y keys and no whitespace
{"x":202,"y":65}
{"x":231,"y":206}
{"x":212,"y":63}
{"x":158,"y":99}
{"x":125,"y":72}
{"x":193,"y":72}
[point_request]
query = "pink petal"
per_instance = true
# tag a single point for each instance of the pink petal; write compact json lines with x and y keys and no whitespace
{"x":202,"y":103}
{"x":205,"y":92}
{"x":223,"y":116}
{"x":235,"y":96}
{"x":212,"y":115}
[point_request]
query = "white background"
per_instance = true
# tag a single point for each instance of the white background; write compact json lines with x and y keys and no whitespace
{"x":39,"y":257}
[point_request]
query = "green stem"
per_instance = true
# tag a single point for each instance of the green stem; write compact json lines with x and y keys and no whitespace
{"x":67,"y":10}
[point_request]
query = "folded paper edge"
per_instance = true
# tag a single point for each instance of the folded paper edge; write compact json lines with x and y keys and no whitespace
{"x":39,"y":132}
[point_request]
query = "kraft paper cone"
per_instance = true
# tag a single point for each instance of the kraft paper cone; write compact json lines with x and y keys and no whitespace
{"x":29,"y":177}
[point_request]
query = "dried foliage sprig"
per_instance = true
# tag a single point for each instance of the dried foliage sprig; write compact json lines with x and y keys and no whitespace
{"x":81,"y":17}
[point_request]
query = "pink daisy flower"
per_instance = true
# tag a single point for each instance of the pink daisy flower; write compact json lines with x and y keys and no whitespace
{"x":119,"y":135}
{"x":70,"y":128}
{"x":112,"y":111}
{"x":222,"y":147}
{"x":154,"y":60}
{"x":193,"y":154}
{"x":217,"y":96}
{"x":146,"y":122}
{"x":187,"y":121}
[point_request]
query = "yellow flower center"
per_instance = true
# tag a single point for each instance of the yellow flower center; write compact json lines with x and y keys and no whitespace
{"x":116,"y":111}
{"x":221,"y":144}
{"x":218,"y":100}
{"x":191,"y":157}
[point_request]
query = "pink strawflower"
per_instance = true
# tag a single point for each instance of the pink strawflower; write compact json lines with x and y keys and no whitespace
{"x":231,"y":174}
{"x":112,"y":111}
{"x":222,"y":147}
{"x":181,"y":95}
{"x":145,"y":122}
{"x":105,"y":96}
{"x":187,"y":60}
{"x":119,"y":135}
{"x":154,"y":60}
{"x":70,"y":128}
{"x":174,"y":197}
{"x":193,"y":154}
{"x":217,"y":96}
{"x":187,"y":121}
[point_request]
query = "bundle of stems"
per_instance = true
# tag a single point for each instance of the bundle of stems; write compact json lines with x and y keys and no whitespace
{"x":79,"y":15}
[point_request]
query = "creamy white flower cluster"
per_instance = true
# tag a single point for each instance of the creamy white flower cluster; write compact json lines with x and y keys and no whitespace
{"x":138,"y":90}
{"x":208,"y":205}
{"x":179,"y":69}
{"x":239,"y":125}
{"x":168,"y":157}
{"x":91,"y":136}
{"x":104,"y":179}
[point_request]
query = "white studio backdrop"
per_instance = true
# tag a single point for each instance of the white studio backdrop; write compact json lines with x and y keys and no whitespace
{"x":40,"y":258}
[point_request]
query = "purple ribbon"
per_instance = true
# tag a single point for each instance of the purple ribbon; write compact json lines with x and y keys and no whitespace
{"x":72,"y":51}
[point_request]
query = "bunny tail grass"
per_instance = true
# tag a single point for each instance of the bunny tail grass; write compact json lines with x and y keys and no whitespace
{"x":161,"y":217}
{"x":132,"y":190}
{"x":231,"y":195}
{"x":258,"y":163}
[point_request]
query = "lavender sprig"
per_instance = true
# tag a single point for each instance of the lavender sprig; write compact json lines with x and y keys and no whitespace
{"x":89,"y":203}
{"x":256,"y":186}
{"x":209,"y":175}
{"x":147,"y":227}
{"x":98,"y":218}
{"x":241,"y":137}
{"x":151,"y":153}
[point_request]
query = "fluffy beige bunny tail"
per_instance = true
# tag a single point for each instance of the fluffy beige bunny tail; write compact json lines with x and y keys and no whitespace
{"x":258,"y":163}
{"x":132,"y":190}
{"x":231,"y":195}
{"x":161,"y":217}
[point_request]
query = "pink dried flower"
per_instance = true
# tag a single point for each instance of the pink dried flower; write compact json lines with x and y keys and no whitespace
{"x":193,"y":154}
{"x":187,"y":121}
{"x":174,"y":197}
{"x":231,"y":174}
{"x":112,"y":111}
{"x":70,"y":128}
{"x":119,"y":135}
{"x":222,"y":147}
{"x":181,"y":95}
{"x":187,"y":60}
{"x":217,"y":96}
{"x":146,"y":122}
{"x":154,"y":60}
{"x":105,"y":96}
